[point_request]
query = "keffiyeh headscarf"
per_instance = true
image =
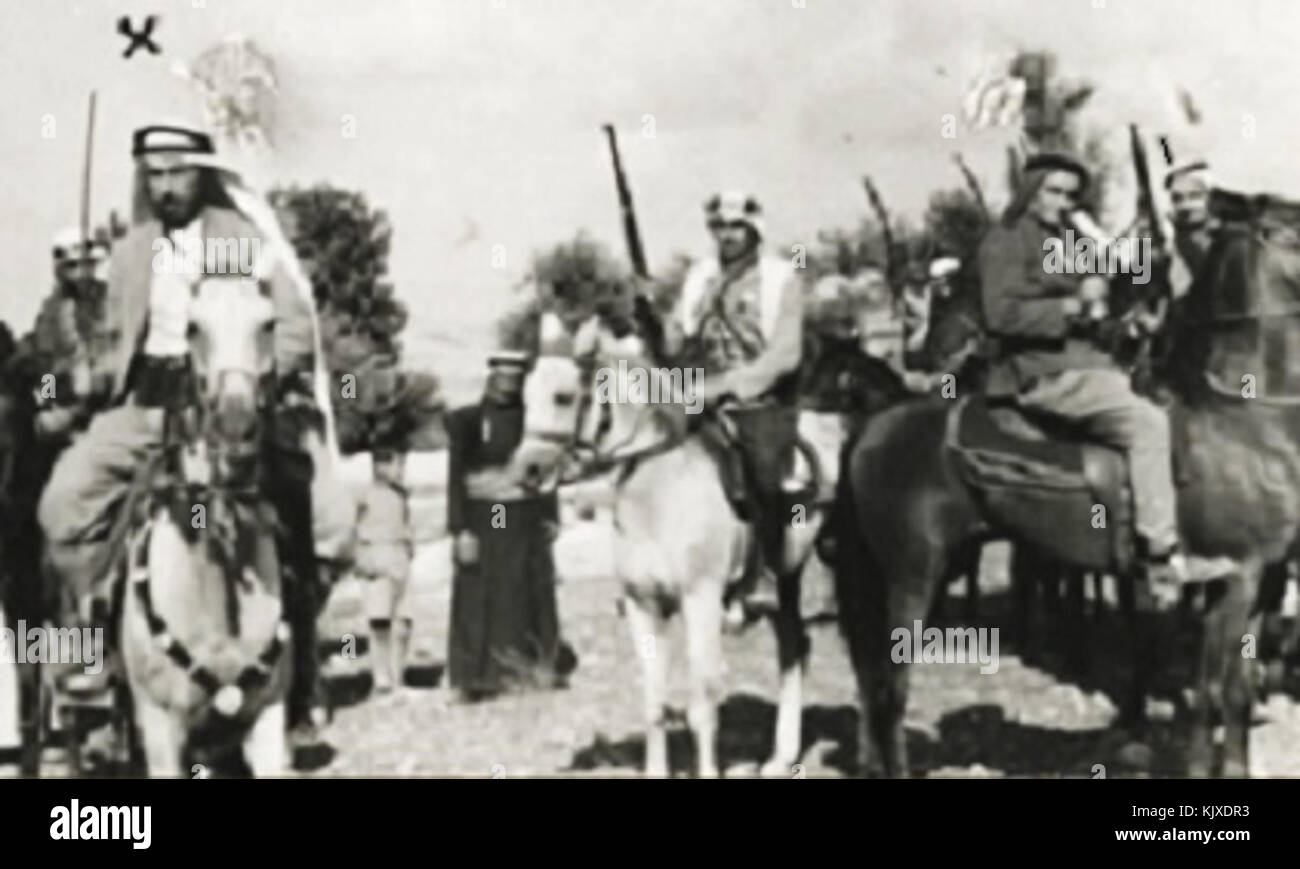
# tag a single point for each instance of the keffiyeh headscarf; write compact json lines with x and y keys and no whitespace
{"x":187,"y":145}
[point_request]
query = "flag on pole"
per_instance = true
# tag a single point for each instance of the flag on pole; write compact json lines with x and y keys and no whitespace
{"x":994,"y":99}
{"x":237,"y":82}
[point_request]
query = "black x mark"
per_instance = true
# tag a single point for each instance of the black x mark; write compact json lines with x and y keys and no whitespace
{"x":139,"y":38}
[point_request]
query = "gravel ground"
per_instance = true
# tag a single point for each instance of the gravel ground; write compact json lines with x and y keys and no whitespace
{"x":1020,"y":721}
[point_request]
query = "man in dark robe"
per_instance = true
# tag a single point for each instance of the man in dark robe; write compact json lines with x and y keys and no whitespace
{"x":504,"y":620}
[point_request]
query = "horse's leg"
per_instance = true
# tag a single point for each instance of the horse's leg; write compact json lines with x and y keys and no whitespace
{"x":702,"y":613}
{"x":792,"y":652}
{"x":1077,"y":650}
{"x":860,"y":618}
{"x":652,"y":652}
{"x":1207,"y":690}
{"x":1132,"y":694}
{"x":266,"y":747}
{"x":1023,"y":576}
{"x":909,"y":602}
{"x":162,"y":736}
{"x":970,"y":565}
{"x":1239,"y":671}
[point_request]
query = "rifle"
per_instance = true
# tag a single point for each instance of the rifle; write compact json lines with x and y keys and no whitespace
{"x":891,"y":259}
{"x":1157,"y":297}
{"x":972,"y":184}
{"x":631,"y":234}
{"x":643,"y":313}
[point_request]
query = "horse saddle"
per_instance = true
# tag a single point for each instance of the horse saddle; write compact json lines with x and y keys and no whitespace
{"x":803,"y":477}
{"x":1037,"y":477}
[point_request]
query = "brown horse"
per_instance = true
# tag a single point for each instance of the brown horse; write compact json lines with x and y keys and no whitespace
{"x":1238,"y":461}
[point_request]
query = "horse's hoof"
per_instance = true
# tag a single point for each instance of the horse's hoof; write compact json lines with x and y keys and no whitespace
{"x":708,"y":772}
{"x":777,"y":768}
{"x":1235,"y":769}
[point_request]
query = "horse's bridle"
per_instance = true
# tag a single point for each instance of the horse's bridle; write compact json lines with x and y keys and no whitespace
{"x":589,"y":458}
{"x":179,"y":434}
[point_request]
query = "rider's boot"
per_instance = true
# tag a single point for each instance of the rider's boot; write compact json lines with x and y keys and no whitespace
{"x":761,"y":596}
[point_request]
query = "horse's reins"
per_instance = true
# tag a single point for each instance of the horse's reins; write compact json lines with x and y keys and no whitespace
{"x":227,"y":699}
{"x":598,"y":461}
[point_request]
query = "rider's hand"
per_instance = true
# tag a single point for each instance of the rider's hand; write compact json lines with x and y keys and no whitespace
{"x":466,"y":548}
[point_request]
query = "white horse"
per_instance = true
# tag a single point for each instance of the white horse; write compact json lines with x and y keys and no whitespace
{"x":204,"y":638}
{"x":678,"y":542}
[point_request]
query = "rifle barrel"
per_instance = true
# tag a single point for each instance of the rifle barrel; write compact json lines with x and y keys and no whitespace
{"x":85,"y":175}
{"x":631,"y":233}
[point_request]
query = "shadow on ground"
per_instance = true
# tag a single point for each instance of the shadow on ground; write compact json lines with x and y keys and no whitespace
{"x":975,"y":735}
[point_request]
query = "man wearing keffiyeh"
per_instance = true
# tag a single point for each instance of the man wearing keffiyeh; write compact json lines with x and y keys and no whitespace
{"x":743,"y":310}
{"x":184,"y":196}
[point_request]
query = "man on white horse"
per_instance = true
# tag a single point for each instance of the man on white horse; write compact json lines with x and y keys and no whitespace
{"x":744,"y":311}
{"x":192,"y":218}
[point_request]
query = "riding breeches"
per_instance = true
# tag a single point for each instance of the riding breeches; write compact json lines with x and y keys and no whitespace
{"x":1102,"y":403}
{"x":766,"y":436}
{"x":92,"y":476}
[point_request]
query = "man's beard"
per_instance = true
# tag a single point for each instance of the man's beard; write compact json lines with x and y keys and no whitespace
{"x":173,"y":213}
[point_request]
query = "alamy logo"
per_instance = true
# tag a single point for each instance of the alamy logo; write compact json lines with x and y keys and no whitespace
{"x":76,"y":821}
{"x":636,"y":385}
{"x":1084,"y":255}
{"x":206,"y":256}
{"x":922,"y":645}
{"x":41,"y":645}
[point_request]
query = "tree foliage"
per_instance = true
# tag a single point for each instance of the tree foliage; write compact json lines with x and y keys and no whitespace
{"x":343,"y":245}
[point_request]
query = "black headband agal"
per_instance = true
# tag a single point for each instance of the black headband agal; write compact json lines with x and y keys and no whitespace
{"x":1056,"y":160}
{"x":164,"y":139}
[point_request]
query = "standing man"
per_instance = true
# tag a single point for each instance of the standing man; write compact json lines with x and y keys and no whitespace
{"x":504,"y":619}
{"x":1047,"y":359}
{"x":183,"y":195}
{"x":743,"y":310}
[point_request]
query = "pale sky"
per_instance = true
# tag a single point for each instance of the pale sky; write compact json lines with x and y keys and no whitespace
{"x":467,"y":114}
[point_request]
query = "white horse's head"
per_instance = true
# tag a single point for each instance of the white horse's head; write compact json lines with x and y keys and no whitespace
{"x":231,"y":321}
{"x":554,"y":400}
{"x":574,"y":401}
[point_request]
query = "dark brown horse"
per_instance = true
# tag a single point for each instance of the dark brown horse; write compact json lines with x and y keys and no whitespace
{"x":1235,"y":415}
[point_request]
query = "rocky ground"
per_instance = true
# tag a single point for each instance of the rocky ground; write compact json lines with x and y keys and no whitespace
{"x":1024,"y":720}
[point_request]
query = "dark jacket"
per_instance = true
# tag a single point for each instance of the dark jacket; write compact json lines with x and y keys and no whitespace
{"x":479,"y":436}
{"x":1024,"y":310}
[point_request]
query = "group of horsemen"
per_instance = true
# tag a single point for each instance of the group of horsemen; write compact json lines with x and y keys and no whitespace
{"x":744,"y":309}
